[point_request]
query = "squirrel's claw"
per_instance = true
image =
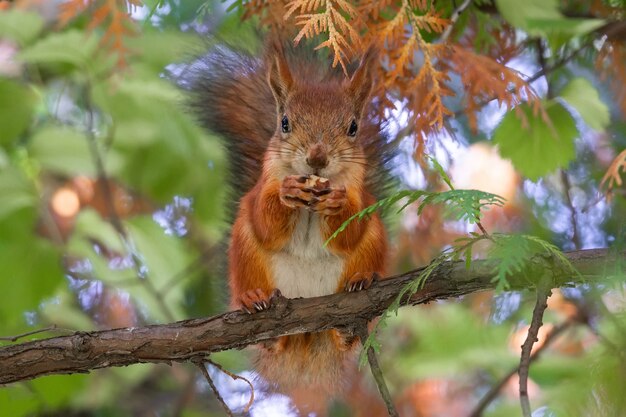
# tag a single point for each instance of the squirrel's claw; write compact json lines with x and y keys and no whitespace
{"x":256,"y":300}
{"x":361,"y":281}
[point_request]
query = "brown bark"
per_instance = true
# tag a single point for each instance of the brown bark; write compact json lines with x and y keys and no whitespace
{"x":188,"y":339}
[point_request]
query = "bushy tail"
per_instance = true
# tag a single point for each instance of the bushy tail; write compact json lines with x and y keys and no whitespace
{"x":230,"y":96}
{"x":309,"y":362}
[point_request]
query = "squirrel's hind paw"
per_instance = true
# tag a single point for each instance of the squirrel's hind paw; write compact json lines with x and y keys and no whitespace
{"x":361,"y":281}
{"x":256,"y":300}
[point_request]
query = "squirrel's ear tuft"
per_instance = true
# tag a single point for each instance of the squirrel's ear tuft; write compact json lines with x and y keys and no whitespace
{"x":278,"y":75}
{"x":361,"y":82}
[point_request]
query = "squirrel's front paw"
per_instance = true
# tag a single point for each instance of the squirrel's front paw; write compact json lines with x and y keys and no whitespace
{"x":302,"y":190}
{"x":332,"y":202}
{"x":294,"y":192}
{"x":255,"y":300}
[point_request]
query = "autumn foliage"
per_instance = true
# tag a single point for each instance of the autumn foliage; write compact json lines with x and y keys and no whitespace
{"x":423,"y":45}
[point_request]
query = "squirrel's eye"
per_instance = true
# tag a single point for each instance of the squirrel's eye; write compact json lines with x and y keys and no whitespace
{"x":352,"y":129}
{"x":284,"y":124}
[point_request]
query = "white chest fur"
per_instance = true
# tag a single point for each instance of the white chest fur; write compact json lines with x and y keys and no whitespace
{"x":304,"y":267}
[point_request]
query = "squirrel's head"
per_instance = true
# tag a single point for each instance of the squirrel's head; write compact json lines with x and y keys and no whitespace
{"x":318,"y":123}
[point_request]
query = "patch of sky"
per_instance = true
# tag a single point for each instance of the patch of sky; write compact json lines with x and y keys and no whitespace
{"x":505,"y":304}
{"x":173,"y":217}
{"x":236,"y":394}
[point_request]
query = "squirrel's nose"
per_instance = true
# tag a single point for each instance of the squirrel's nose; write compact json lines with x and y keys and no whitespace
{"x":317,"y":157}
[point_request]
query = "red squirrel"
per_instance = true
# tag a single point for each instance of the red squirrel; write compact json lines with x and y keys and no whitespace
{"x":305,"y":155}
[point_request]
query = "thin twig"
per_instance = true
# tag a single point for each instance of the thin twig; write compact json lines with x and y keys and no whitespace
{"x":543,"y":64}
{"x":544,"y":290}
{"x":568,"y":198}
{"x":559,"y":63}
{"x":236,"y":377}
{"x":201,"y":364}
{"x":153,"y":9}
{"x":495,"y":390}
{"x":45,"y":329}
{"x":482,"y":229}
{"x":377,"y":373}
{"x":544,"y":71}
{"x":453,"y":18}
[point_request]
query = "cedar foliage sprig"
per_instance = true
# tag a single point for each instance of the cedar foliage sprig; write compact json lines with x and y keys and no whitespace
{"x":508,"y":254}
{"x":331,"y":16}
{"x":416,"y":68}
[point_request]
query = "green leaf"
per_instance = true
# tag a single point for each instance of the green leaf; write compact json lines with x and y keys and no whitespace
{"x":440,"y":170}
{"x":568,"y":27}
{"x":157,"y":256}
{"x":459,"y":342}
{"x":4,"y":159}
{"x":160,"y":48}
{"x":582,"y":95}
{"x":163,"y":257}
{"x":543,"y":18}
{"x":20,"y":26}
{"x":17,"y":400}
{"x":65,"y":312}
{"x":62,"y":149}
{"x":382,"y":205}
{"x":509,"y":255}
{"x":17,"y":102}
{"x":468,"y":257}
{"x":16,"y":192}
{"x":65,"y":150}
{"x":56,"y":392}
{"x":73,"y":47}
{"x":518,"y":12}
{"x":31,"y":269}
{"x":534,"y":145}
{"x":90,"y":224}
{"x":407,"y":291}
{"x":464,"y":205}
{"x":554,"y":252}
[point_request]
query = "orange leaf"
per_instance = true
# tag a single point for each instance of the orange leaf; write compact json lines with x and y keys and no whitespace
{"x":613,"y":176}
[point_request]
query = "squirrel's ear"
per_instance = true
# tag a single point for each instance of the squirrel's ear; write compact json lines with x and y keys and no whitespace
{"x":361,"y":82}
{"x":278,"y":75}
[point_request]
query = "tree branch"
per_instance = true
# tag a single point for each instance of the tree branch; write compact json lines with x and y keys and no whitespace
{"x":453,"y":18}
{"x":377,"y":373}
{"x":544,"y":291}
{"x":192,"y":339}
{"x":495,"y":390}
{"x":202,"y":366}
